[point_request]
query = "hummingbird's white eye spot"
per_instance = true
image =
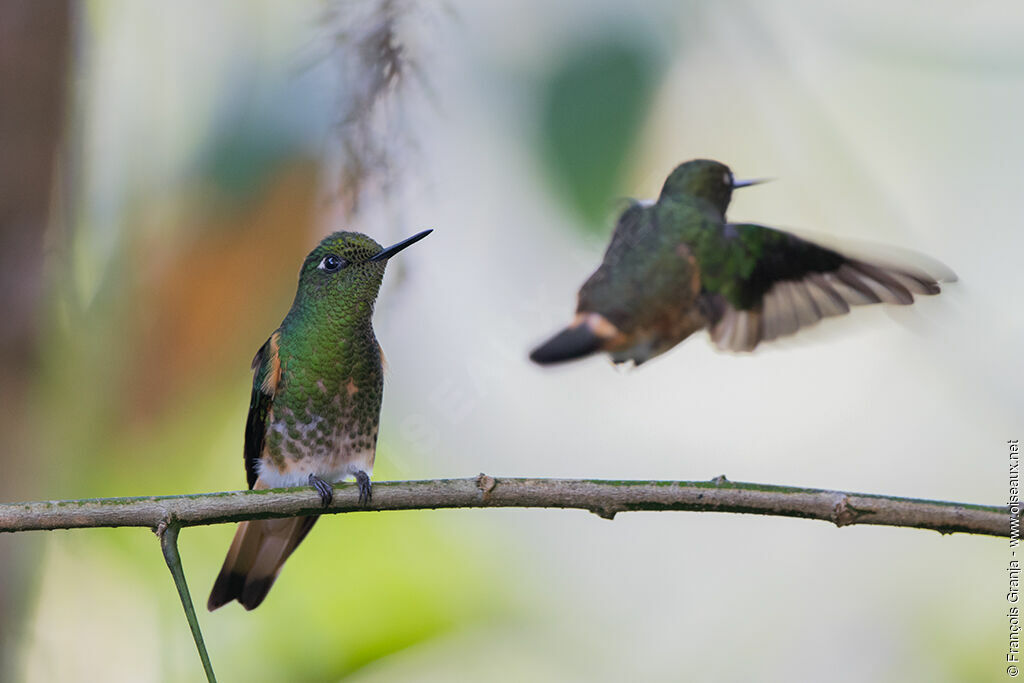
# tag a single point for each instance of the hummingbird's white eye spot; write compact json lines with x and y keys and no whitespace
{"x":727,"y":178}
{"x":332,"y":263}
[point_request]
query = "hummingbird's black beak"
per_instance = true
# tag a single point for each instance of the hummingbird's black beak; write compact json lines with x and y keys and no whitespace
{"x":748,"y":183}
{"x":395,"y":248}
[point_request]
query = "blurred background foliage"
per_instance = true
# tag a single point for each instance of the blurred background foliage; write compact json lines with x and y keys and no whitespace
{"x":167,"y":167}
{"x":594,"y":100}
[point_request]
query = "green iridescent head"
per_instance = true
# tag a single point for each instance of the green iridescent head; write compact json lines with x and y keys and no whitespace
{"x":346,"y":268}
{"x":702,"y":178}
{"x":706,"y":179}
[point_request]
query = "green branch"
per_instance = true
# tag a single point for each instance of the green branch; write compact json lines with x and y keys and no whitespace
{"x":169,"y":544}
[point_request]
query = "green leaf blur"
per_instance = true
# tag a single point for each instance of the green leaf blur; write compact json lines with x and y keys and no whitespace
{"x":593,"y":103}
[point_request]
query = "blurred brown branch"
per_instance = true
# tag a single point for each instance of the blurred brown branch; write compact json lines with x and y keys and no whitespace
{"x":35,"y":45}
{"x":602,"y":497}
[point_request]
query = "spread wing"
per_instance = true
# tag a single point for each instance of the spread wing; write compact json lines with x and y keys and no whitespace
{"x":761,"y":283}
{"x":266,"y":367}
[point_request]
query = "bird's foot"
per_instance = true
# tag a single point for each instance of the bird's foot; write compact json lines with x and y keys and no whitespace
{"x":325,"y":490}
{"x":365,"y":488}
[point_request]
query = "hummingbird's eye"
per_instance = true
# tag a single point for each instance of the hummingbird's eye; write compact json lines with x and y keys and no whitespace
{"x":332,"y":263}
{"x":727,"y":178}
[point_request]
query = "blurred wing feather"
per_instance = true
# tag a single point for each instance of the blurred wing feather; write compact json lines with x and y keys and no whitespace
{"x":762,"y":283}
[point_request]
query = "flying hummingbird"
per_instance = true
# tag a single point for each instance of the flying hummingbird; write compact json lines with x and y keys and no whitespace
{"x":675,"y":266}
{"x":316,"y":394}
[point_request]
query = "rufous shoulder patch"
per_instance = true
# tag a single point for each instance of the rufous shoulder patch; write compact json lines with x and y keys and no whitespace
{"x":273,"y":362}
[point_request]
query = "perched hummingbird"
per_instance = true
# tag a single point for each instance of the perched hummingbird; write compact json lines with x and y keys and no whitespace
{"x":316,"y":394}
{"x":676,"y":266}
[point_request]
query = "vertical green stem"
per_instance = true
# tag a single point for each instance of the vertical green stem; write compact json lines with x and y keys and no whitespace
{"x":169,"y":544}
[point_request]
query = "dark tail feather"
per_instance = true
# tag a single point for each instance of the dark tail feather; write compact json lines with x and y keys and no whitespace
{"x":254,"y":560}
{"x":571,"y":343}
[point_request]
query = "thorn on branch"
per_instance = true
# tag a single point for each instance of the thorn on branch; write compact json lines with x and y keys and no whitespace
{"x":485,"y":483}
{"x":843,"y":513}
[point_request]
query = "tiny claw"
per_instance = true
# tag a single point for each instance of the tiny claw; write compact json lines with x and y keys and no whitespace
{"x":325,"y":490}
{"x":365,"y":488}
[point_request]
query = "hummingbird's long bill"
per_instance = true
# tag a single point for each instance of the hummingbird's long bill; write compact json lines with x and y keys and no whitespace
{"x":736,"y":184}
{"x":388,"y":252}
